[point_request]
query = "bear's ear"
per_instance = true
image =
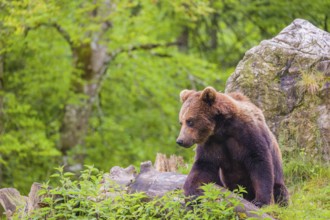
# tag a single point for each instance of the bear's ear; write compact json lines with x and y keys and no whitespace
{"x":208,"y":95}
{"x":184,"y":94}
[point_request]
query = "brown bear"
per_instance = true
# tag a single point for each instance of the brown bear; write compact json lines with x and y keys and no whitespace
{"x":235,"y":147}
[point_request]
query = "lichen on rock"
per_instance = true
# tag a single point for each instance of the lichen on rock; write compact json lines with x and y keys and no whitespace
{"x":288,"y":77}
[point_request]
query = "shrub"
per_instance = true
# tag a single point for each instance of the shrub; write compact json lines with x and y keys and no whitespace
{"x":87,"y":198}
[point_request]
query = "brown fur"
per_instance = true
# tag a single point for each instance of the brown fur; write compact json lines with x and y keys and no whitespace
{"x":239,"y":96}
{"x":235,"y":146}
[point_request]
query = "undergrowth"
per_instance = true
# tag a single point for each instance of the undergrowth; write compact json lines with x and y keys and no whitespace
{"x":310,"y":198}
{"x":308,"y":183}
{"x":88,"y":198}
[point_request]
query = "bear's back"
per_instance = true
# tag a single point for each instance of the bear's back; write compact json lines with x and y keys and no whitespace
{"x":248,"y":110}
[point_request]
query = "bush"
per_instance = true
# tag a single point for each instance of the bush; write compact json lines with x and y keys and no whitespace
{"x":87,"y":198}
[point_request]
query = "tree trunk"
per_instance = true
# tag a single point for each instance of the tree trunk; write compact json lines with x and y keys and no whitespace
{"x":90,"y":62}
{"x":1,"y":103}
{"x":183,"y":40}
{"x":214,"y":31}
{"x":1,"y":91}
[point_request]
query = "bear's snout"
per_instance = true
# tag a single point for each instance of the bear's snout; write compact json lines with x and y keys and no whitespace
{"x":183,"y":143}
{"x":179,"y":142}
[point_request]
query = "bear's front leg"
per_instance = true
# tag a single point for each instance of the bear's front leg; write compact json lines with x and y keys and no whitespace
{"x":202,"y":172}
{"x":262,"y":180}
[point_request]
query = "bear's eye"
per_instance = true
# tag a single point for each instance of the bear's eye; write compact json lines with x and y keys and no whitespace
{"x":189,"y":123}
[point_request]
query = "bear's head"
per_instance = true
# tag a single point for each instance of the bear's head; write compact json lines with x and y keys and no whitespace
{"x":197,"y":116}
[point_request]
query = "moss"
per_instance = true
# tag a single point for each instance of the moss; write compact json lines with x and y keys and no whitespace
{"x":289,"y":88}
{"x":299,"y":133}
{"x":246,"y":79}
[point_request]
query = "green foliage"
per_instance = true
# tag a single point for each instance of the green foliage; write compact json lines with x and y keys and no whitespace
{"x":309,"y":189}
{"x":87,"y":198}
{"x":215,"y":204}
{"x":66,"y":197}
{"x":309,"y":197}
{"x":135,"y":112}
{"x":300,"y":169}
{"x":24,"y":131}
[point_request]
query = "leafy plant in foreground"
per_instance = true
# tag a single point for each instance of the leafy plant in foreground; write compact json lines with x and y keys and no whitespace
{"x":88,"y":198}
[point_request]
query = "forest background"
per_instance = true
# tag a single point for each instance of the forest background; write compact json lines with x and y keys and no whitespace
{"x":98,"y":81}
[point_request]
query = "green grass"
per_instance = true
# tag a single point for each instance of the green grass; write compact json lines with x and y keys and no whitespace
{"x":309,"y":187}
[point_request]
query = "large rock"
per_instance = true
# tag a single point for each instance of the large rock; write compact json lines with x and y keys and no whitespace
{"x":288,"y":77}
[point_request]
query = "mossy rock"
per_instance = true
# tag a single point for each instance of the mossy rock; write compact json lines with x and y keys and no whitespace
{"x":288,"y":77}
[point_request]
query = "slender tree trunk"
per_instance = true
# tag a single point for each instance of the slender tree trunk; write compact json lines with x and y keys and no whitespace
{"x":1,"y":104}
{"x":326,"y":22}
{"x":1,"y":91}
{"x":183,"y":40}
{"x":214,"y":31}
{"x":90,"y":61}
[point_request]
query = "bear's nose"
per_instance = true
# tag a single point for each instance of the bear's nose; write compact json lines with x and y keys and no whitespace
{"x":179,"y":142}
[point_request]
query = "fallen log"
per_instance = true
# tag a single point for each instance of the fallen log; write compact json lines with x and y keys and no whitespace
{"x":11,"y":200}
{"x":155,"y":183}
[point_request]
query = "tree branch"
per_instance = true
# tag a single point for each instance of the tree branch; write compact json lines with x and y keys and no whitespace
{"x":59,"y":29}
{"x":64,"y":33}
{"x":103,"y":11}
{"x":141,"y":47}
